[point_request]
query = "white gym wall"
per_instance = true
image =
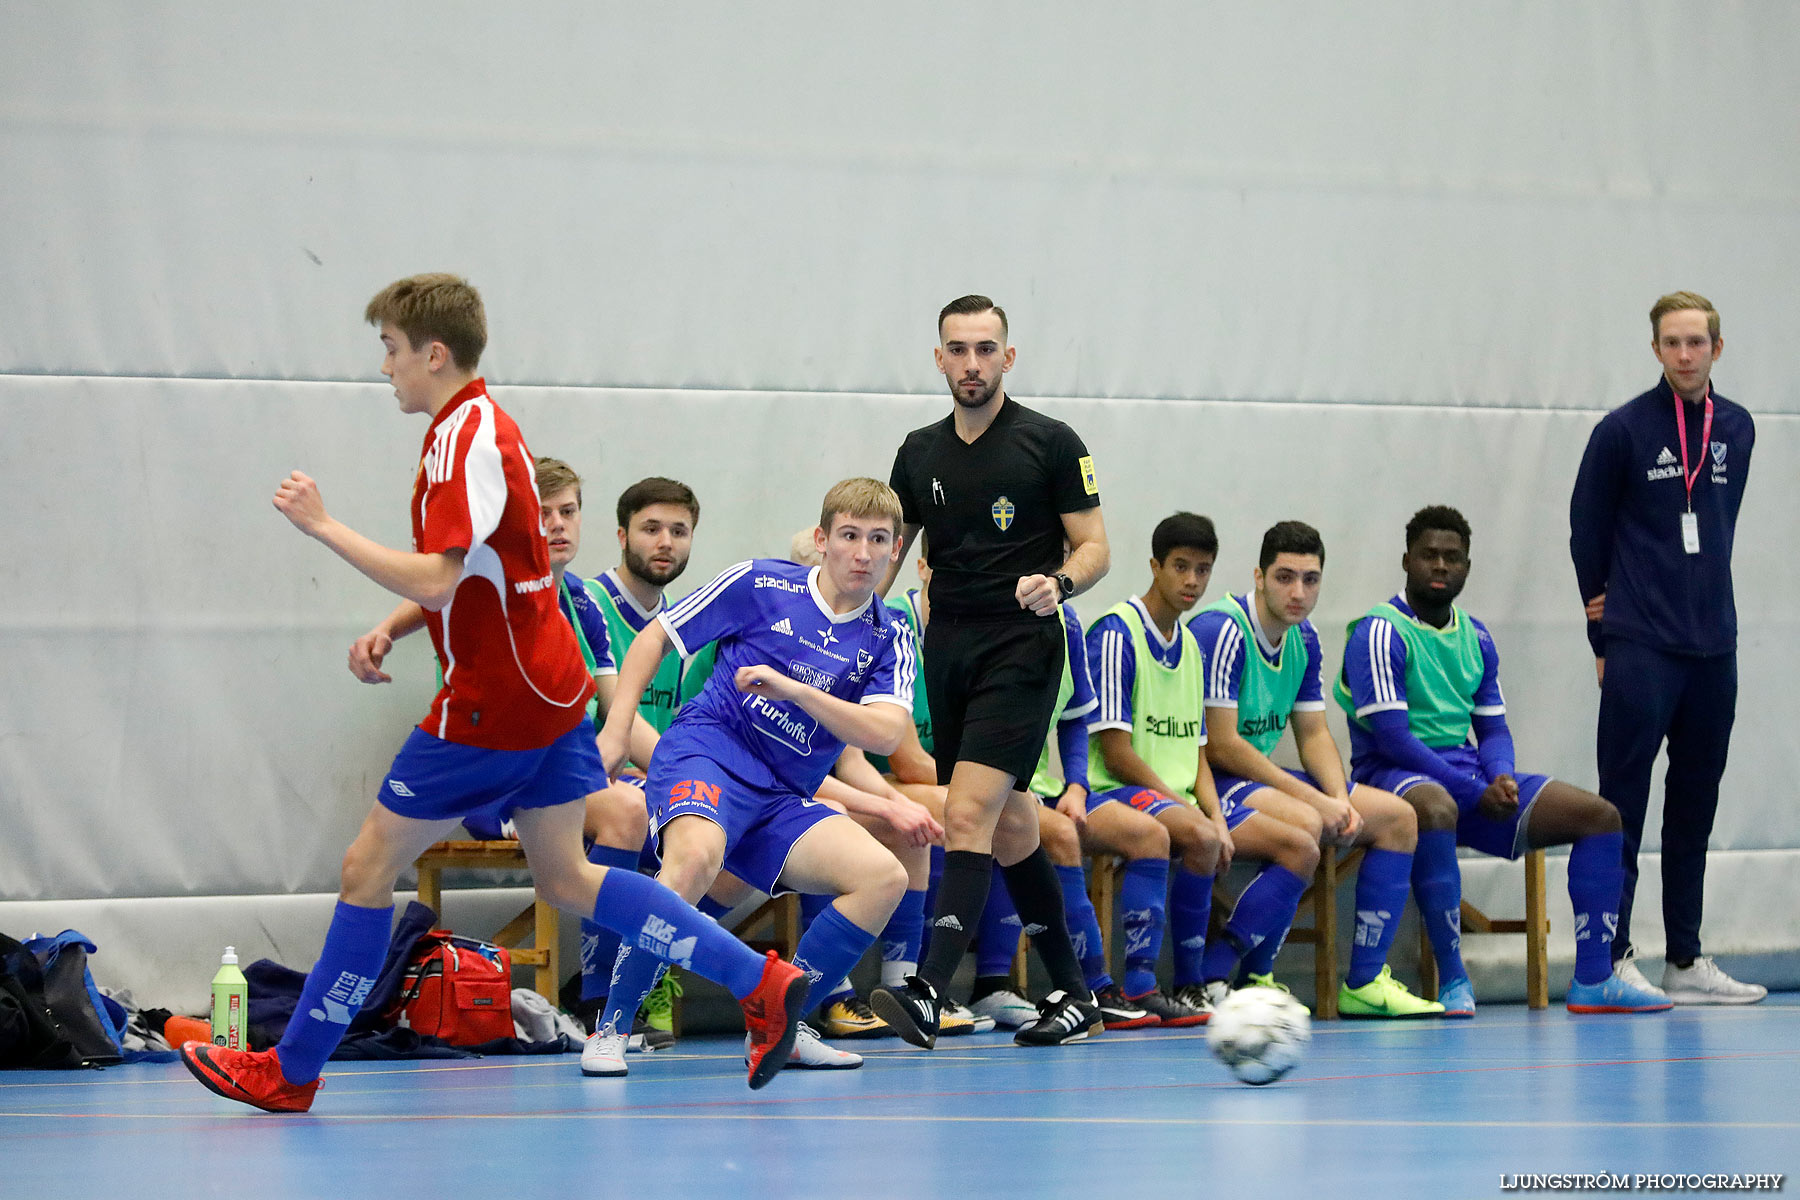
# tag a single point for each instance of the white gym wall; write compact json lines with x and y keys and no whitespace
{"x":1300,"y":260}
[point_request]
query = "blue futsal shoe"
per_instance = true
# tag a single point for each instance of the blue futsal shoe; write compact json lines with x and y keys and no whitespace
{"x":1616,"y":994}
{"x":1458,"y":997}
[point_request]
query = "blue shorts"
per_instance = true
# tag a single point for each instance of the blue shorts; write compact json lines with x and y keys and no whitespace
{"x":1235,"y":790}
{"x":435,"y":780}
{"x":1502,"y":839}
{"x":1150,"y":803}
{"x":762,"y":819}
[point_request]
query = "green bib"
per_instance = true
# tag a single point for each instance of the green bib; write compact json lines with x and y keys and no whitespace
{"x":1443,"y":672}
{"x":908,"y":608}
{"x":1168,"y":711}
{"x":1047,"y":781}
{"x":663,"y":696}
{"x":1267,"y":691}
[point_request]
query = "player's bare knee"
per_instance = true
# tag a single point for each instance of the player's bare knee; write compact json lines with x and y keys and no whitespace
{"x":1061,"y":843}
{"x":1309,"y":822}
{"x":616,"y":816}
{"x":1598,"y":815}
{"x":1148,"y":840}
{"x":1299,"y":852}
{"x":1433,"y":807}
{"x":1197,"y":844}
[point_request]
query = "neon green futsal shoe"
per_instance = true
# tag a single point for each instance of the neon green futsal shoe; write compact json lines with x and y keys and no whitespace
{"x":658,"y":1012}
{"x":1384,"y":996}
{"x":1269,"y":981}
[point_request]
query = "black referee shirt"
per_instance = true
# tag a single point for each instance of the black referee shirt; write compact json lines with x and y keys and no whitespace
{"x":992,"y":509}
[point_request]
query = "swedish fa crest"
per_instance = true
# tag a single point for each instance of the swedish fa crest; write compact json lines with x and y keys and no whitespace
{"x":1003,"y":513}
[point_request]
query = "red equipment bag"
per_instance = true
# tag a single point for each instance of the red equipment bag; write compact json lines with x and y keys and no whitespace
{"x":457,"y":989}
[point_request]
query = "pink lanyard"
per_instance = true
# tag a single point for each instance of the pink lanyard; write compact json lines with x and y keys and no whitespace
{"x":1705,"y":440}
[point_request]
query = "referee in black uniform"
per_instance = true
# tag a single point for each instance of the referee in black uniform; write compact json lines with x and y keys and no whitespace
{"x":996,"y":487}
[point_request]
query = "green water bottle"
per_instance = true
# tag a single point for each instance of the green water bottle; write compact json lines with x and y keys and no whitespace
{"x":231,"y":999}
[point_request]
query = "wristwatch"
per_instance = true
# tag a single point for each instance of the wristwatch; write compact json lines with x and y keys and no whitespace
{"x":1064,"y":585}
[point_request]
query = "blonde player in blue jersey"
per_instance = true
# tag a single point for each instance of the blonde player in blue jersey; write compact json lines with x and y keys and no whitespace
{"x":1264,"y":676}
{"x":1421,"y":685}
{"x":809,"y":660}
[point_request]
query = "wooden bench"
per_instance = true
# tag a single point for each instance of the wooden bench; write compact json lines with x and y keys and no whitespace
{"x":538,"y":920}
{"x":1535,"y":927}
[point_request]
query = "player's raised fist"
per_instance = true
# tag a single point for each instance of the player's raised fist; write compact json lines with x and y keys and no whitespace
{"x":299,"y":501}
{"x":366,"y":653}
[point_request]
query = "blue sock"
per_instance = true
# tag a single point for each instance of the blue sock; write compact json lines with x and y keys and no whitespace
{"x":600,"y":945}
{"x":634,"y":973}
{"x":830,"y":948}
{"x":1145,"y":886}
{"x":1596,"y":877}
{"x":653,"y":918}
{"x":1437,"y":886}
{"x":355,"y":947}
{"x":997,"y":935}
{"x":1190,"y":909}
{"x":1084,"y":928}
{"x":931,"y":891}
{"x":810,"y":908}
{"x":900,"y":940}
{"x":1381,"y":887}
{"x":708,"y":907}
{"x":1264,"y":914}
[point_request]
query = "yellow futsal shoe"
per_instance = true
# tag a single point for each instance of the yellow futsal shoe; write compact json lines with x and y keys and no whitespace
{"x":850,"y":1017}
{"x":1269,"y":981}
{"x":1384,"y":996}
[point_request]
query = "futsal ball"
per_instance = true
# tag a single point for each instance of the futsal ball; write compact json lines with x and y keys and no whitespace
{"x":1259,"y":1033}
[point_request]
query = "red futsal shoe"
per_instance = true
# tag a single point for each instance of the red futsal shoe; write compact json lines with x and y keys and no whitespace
{"x":771,"y":1014}
{"x":252,"y":1078}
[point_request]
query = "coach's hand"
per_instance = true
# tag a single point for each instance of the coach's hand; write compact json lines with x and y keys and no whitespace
{"x":1500,"y":799}
{"x":299,"y":501}
{"x":366,"y":653}
{"x":1039,"y":593}
{"x":764,"y":680}
{"x":1600,"y":671}
{"x":1596,"y":608}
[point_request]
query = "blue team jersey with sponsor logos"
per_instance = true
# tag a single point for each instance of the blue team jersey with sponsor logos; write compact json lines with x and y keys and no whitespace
{"x":769,"y":612}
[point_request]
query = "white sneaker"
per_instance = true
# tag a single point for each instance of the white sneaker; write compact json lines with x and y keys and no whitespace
{"x":1005,"y":1008}
{"x":812,"y":1054}
{"x":955,"y":1013}
{"x":1705,"y":983}
{"x":604,"y":1053}
{"x":1633,"y":976}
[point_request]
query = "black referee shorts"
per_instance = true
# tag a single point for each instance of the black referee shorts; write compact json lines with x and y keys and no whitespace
{"x":992,"y":689}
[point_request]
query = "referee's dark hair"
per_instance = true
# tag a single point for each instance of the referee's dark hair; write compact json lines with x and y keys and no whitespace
{"x":1184,"y":530}
{"x":1290,"y":537}
{"x":964,"y":306}
{"x":1437,"y":516}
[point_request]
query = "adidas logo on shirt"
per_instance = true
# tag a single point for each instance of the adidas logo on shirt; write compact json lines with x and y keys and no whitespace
{"x":783,"y":626}
{"x":1666,"y":457}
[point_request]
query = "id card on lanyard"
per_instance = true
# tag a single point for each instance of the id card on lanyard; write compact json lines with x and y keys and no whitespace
{"x":1690,"y":524}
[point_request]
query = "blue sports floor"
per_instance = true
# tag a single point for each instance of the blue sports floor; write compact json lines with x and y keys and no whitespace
{"x":1425,"y":1109}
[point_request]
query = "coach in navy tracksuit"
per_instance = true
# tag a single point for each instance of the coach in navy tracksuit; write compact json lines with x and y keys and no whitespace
{"x":1651,"y":523}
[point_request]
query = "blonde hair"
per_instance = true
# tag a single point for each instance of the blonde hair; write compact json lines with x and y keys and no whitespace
{"x":860,"y":498}
{"x":434,"y":308}
{"x":803,"y":550}
{"x":553,"y":475}
{"x":1682,"y":302}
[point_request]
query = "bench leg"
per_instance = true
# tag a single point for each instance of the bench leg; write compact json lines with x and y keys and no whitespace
{"x":546,"y":934}
{"x":1537,"y":929}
